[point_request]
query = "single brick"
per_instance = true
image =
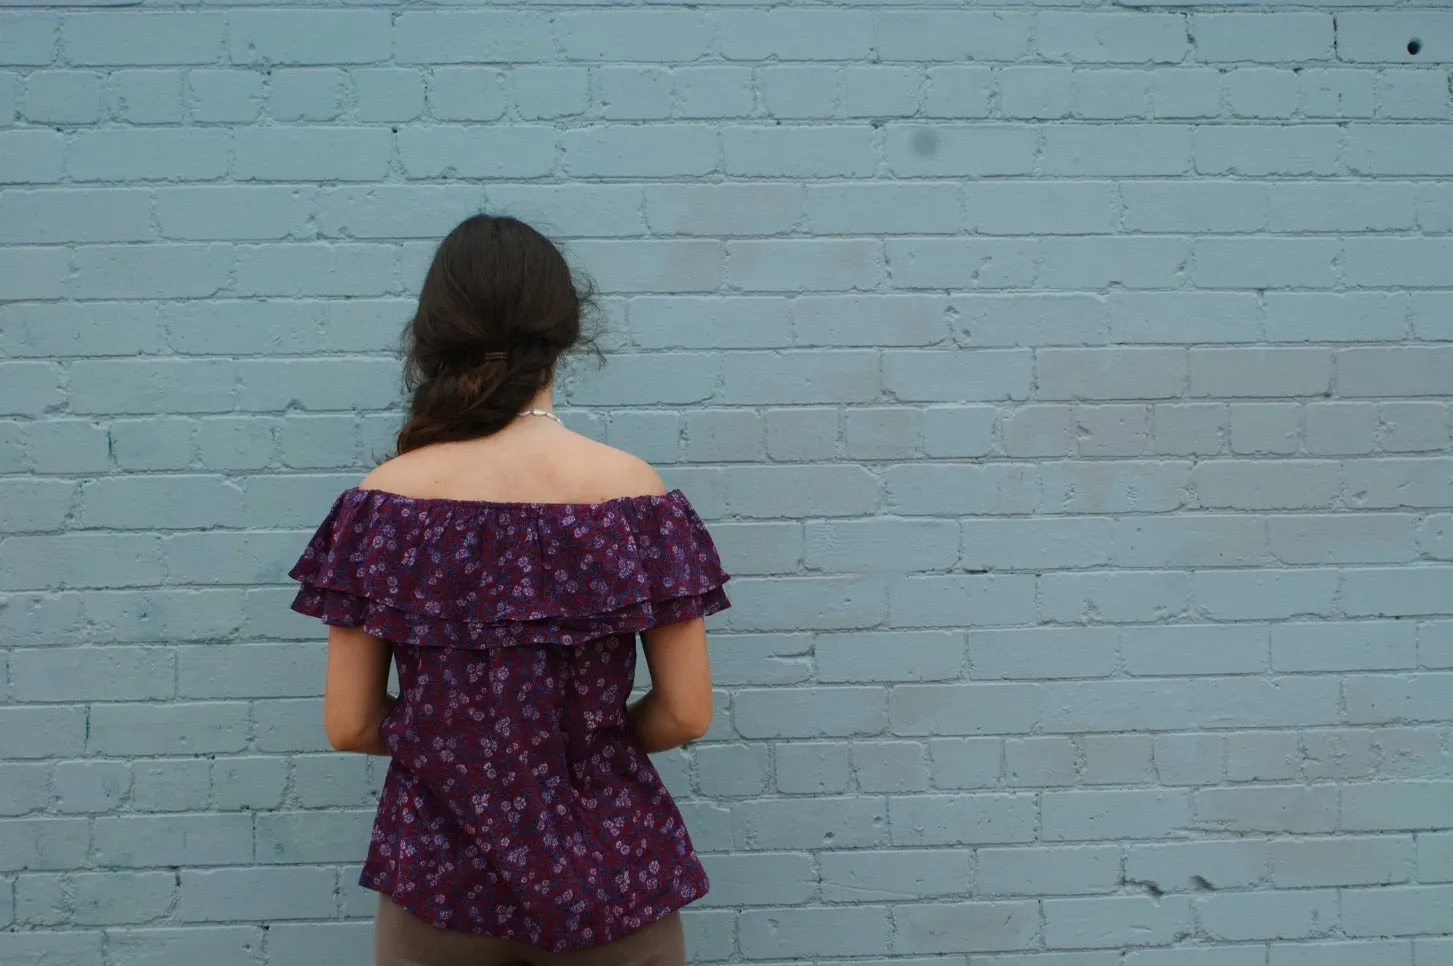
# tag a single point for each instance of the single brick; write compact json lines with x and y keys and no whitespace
{"x":1035,"y":92}
{"x":635,"y":93}
{"x":94,"y":898}
{"x":309,"y":36}
{"x":882,"y":544}
{"x":949,"y":489}
{"x":961,"y":600}
{"x":1116,"y":597}
{"x":918,"y":35}
{"x":1255,"y":150}
{"x":37,"y":273}
{"x":796,"y":265}
{"x":184,"y":840}
{"x":292,"y":838}
{"x":29,"y":38}
{"x":768,"y":824}
{"x":148,"y":96}
{"x":308,"y":94}
{"x":820,"y":712}
{"x":1041,"y":761}
{"x":53,"y":731}
{"x":1110,"y":373}
{"x":965,"y":927}
{"x":1390,"y":952}
{"x":1346,"y":861}
{"x":926,"y":208}
{"x":958,"y":91}
{"x":960,"y":763}
{"x":930,"y":375}
{"x":916,"y":710}
{"x":1030,"y":320}
{"x":1282,"y":915}
{"x":1386,"y":36}
{"x":1047,"y":870}
{"x":62,"y":97}
{"x":890,"y":766}
{"x":1116,"y":921}
{"x":186,"y":728}
{"x":655,"y":151}
{"x":793,"y":152}
{"x":723,"y":209}
{"x":1275,"y":38}
{"x":1265,"y":594}
{"x":1338,"y":92}
{"x":152,"y":154}
{"x":27,"y":787}
{"x":762,"y":879}
{"x":280,"y":892}
{"x":1265,"y":484}
{"x":42,"y":843}
{"x":813,"y":768}
{"x":818,"y":35}
{"x":886,"y":876}
{"x":151,"y":39}
{"x":217,"y":945}
{"x":30,"y":157}
{"x":1273,"y":808}
{"x":1194,"y":649}
{"x":1127,"y":149}
{"x":66,"y":674}
{"x":879,"y":656}
{"x":170,"y":785}
{"x":1141,"y":814}
{"x":313,"y":154}
{"x":1043,"y":652}
{"x":968,"y":819}
{"x":321,"y":943}
{"x":806,"y":933}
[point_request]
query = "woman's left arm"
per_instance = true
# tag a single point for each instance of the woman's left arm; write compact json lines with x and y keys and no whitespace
{"x":355,"y":697}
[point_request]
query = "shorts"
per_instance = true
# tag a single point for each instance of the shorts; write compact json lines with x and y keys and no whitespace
{"x":401,"y":939}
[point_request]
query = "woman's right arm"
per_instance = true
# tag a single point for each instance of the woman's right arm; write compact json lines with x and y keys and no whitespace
{"x":677,"y":709}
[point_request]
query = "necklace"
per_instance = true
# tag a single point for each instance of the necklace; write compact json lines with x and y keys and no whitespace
{"x":541,"y":412}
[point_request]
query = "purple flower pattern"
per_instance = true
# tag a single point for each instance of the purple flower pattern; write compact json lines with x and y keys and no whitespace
{"x":519,"y":802}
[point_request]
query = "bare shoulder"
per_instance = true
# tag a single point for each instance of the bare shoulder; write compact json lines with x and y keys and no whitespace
{"x":617,"y":473}
{"x":546,"y":467}
{"x":393,"y":474}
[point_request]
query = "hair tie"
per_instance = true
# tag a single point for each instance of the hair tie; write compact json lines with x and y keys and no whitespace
{"x":496,"y":356}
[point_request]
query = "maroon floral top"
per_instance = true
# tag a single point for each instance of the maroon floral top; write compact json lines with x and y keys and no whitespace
{"x":519,"y":802}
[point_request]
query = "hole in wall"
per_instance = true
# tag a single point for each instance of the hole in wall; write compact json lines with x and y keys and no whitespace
{"x":1415,"y":46}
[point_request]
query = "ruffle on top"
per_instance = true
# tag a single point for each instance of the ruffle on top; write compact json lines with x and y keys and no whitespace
{"x":474,"y":574}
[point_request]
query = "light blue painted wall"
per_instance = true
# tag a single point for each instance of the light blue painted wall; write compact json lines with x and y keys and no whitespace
{"x":1067,"y":384}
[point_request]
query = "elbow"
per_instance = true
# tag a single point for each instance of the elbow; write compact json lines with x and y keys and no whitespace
{"x":676,"y":723}
{"x":346,"y":735}
{"x":694,"y":725}
{"x":694,"y":730}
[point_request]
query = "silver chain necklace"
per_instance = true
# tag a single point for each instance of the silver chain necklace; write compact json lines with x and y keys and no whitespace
{"x":541,"y":412}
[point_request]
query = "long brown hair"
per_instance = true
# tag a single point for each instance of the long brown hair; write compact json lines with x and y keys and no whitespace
{"x":497,"y":310}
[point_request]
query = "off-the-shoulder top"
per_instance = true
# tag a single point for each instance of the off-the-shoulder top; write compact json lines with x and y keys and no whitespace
{"x":519,"y":802}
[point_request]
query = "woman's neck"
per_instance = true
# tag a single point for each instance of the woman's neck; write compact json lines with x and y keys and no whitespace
{"x":544,"y":400}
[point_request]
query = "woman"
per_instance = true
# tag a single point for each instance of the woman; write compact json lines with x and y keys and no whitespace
{"x":506,"y":565}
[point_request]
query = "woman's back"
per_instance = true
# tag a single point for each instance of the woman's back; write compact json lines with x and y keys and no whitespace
{"x":506,"y":565}
{"x":520,"y":802}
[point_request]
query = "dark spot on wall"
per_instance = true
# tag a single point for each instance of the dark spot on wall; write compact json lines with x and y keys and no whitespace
{"x":1415,"y":46}
{"x":925,"y":143}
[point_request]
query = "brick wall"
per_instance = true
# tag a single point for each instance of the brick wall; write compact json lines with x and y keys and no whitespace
{"x":1067,"y":384}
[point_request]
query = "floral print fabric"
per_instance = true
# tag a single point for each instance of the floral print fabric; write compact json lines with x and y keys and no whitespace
{"x":518,"y":801}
